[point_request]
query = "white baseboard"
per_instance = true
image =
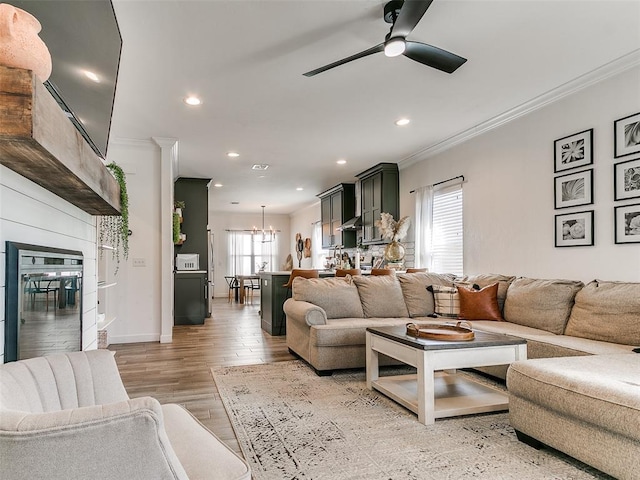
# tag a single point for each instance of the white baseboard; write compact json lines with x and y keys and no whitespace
{"x":148,"y":337}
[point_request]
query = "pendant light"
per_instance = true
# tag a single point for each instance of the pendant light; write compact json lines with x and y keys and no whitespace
{"x":267,"y":235}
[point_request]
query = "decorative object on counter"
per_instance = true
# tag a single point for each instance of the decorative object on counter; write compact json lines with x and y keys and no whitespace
{"x":299,"y":248}
{"x":114,"y":230}
{"x":307,"y":247}
{"x":261,"y":266}
{"x":626,"y":135}
{"x":573,"y":151}
{"x":627,"y":224}
{"x":288,"y":264}
{"x":20,"y":45}
{"x":626,"y":182}
{"x":394,"y":231}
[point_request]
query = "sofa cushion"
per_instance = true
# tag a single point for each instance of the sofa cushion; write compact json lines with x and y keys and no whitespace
{"x":479,"y":304}
{"x":381,"y":296}
{"x":600,"y":390}
{"x":338,"y":296}
{"x":486,"y":279}
{"x":419,"y":301}
{"x":607,"y":311}
{"x":543,"y":304}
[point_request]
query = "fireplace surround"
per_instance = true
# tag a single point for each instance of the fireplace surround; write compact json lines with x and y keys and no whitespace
{"x":43,"y":301}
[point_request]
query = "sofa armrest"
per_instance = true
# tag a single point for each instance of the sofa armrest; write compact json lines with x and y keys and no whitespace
{"x":304,"y":312}
{"x":113,"y":441}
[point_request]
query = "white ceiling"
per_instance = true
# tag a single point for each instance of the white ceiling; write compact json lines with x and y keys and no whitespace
{"x":245,"y":59}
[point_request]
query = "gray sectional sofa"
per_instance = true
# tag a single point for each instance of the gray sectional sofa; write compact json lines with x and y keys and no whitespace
{"x":578,"y":392}
{"x":327,"y":318}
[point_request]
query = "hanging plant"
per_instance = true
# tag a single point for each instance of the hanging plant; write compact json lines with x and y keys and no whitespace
{"x":114,"y":229}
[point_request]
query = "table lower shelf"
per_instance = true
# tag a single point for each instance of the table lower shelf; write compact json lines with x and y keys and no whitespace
{"x":455,"y":394}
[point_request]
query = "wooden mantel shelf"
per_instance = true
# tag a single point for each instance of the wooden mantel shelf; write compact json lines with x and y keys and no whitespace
{"x":38,"y":141}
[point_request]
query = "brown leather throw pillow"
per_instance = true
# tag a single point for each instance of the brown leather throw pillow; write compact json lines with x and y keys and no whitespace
{"x":479,"y":304}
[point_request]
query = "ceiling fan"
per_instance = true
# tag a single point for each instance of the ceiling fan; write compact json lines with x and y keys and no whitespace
{"x":403,"y":17}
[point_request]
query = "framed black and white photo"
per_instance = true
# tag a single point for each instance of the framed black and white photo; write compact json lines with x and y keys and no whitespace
{"x":574,"y":189}
{"x":573,"y":151}
{"x":626,"y":179}
{"x":574,"y":229}
{"x":626,"y":134}
{"x":627,"y":223}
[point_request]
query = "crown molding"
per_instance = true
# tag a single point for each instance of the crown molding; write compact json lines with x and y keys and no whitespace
{"x":608,"y":70}
{"x":132,"y":142}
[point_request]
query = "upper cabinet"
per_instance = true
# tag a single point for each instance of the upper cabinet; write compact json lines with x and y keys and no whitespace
{"x":337,"y":205}
{"x":379,"y":192}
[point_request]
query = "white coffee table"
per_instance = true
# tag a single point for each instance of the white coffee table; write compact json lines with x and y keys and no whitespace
{"x":437,"y":391}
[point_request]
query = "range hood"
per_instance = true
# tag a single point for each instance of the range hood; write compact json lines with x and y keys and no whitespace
{"x":353,"y":224}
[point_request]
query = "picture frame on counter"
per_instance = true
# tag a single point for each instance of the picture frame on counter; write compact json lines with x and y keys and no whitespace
{"x":626,"y":179}
{"x":573,"y":189}
{"x":627,"y":223}
{"x":626,"y":135}
{"x":574,"y":229}
{"x":573,"y":151}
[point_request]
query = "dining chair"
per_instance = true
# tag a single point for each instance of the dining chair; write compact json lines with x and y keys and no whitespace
{"x":233,"y":284}
{"x":417,"y":270}
{"x":382,"y":271}
{"x":250,"y":285}
{"x":343,"y":272}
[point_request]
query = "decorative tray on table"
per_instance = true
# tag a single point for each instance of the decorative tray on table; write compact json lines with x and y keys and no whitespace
{"x":460,"y":332}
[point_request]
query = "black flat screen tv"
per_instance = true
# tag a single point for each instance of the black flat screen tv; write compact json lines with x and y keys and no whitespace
{"x":82,"y":36}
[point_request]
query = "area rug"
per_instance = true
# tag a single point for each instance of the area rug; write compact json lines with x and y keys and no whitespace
{"x":293,"y":424}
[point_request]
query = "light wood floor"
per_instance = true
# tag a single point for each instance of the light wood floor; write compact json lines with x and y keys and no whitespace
{"x":179,"y":372}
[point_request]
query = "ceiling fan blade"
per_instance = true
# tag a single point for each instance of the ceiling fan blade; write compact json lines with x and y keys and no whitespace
{"x":371,"y":51}
{"x":410,"y":14}
{"x":433,"y":56}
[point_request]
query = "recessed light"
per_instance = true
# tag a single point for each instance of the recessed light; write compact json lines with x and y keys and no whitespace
{"x":91,"y":76}
{"x":233,"y":154}
{"x":299,"y":189}
{"x":402,"y":122}
{"x":217,"y":185}
{"x":341,"y":161}
{"x":193,"y":101}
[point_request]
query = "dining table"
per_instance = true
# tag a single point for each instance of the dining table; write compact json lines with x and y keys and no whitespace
{"x":240,"y":279}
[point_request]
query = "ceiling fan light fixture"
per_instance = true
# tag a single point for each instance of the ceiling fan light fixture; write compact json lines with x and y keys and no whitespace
{"x":394,"y":47}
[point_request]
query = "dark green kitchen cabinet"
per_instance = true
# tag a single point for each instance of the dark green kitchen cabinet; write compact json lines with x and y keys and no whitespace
{"x":337,"y":205}
{"x":379,"y":192}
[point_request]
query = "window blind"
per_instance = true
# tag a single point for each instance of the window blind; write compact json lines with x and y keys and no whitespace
{"x":447,"y":230}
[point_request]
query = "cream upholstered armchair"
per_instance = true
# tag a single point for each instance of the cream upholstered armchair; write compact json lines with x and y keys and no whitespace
{"x":68,"y":416}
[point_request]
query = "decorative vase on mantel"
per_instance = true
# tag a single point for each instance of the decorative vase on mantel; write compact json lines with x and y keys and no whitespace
{"x":20,"y":45}
{"x":394,"y":254}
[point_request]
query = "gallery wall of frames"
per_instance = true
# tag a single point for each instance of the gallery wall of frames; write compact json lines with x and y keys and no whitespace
{"x":573,"y":185}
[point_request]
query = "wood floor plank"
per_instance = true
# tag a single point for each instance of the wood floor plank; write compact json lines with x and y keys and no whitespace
{"x":179,"y":372}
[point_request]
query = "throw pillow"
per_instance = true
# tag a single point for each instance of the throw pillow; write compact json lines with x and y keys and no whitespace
{"x":446,"y":299}
{"x":479,"y":304}
{"x":486,"y":279}
{"x":381,"y":296}
{"x":338,"y":297}
{"x":419,"y":301}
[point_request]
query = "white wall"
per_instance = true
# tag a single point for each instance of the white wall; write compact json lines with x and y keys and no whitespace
{"x":508,"y":194}
{"x":136,"y":297}
{"x":220,"y":222}
{"x":30,"y":214}
{"x":303,"y":221}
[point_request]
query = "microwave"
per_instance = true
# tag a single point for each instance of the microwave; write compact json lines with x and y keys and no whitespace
{"x":188,"y":261}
